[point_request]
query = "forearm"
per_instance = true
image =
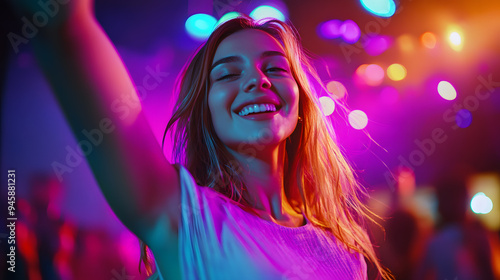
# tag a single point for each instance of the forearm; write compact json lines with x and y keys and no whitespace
{"x":86,"y":72}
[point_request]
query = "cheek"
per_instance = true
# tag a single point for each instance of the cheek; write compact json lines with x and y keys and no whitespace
{"x":219,"y":103}
{"x":292,"y":97}
{"x":216,"y":102}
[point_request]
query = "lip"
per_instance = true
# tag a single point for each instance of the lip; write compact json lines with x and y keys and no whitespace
{"x":260,"y":116}
{"x":259,"y":100}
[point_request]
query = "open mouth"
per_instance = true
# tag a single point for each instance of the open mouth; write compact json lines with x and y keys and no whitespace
{"x":254,"y":109}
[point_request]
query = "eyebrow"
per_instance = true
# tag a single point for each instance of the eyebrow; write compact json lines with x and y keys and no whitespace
{"x":233,"y":58}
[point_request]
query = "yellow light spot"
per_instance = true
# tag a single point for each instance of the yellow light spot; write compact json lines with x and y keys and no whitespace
{"x":396,"y":72}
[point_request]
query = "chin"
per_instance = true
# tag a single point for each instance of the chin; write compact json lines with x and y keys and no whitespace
{"x":255,"y":142}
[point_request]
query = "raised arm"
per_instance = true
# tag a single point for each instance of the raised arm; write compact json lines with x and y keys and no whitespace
{"x":90,"y":81}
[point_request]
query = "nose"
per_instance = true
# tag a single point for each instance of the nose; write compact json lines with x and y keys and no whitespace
{"x":256,"y":81}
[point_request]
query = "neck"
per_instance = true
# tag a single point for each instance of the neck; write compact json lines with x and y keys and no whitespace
{"x":263,"y":177}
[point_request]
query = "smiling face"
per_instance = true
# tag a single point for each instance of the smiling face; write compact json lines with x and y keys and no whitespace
{"x":253,"y":96}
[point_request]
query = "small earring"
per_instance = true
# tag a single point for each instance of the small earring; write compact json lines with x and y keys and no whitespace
{"x":300,"y":119}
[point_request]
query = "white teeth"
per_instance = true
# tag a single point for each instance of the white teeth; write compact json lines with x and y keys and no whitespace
{"x":257,"y":108}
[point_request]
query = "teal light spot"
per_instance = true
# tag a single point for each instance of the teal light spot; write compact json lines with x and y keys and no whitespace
{"x":265,"y":11}
{"x":381,"y":8}
{"x":200,"y":26}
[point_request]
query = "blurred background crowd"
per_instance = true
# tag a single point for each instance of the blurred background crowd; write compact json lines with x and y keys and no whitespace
{"x":421,"y":79}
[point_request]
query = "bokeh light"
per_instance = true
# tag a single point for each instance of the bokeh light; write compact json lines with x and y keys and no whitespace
{"x":200,"y":26}
{"x":455,"y":41}
{"x":370,"y":74}
{"x":374,"y":75}
{"x":327,"y":105}
{"x":481,"y":203}
{"x":330,"y":29}
{"x":360,"y":71}
{"x":406,"y":181}
{"x":463,"y":118}
{"x":455,"y":38}
{"x":376,"y":45}
{"x":228,"y":16}
{"x":486,"y":185}
{"x":446,"y":90}
{"x":266,"y":11}
{"x":350,"y":31}
{"x":428,"y":39}
{"x":405,"y":43}
{"x":358,"y":119}
{"x":337,"y":89}
{"x":396,"y":72}
{"x":381,"y":8}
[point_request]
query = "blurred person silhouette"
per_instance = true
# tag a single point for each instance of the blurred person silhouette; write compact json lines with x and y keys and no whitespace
{"x":54,"y":248}
{"x":95,"y":256}
{"x":38,"y":227}
{"x":396,"y":241}
{"x":460,"y":247}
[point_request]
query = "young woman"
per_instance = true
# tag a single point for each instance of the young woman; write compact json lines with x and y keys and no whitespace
{"x":260,"y":190}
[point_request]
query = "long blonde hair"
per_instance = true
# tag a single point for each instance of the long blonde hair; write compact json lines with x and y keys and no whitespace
{"x":319,"y":181}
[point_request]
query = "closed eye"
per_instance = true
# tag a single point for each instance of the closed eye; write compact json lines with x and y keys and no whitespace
{"x":225,"y":77}
{"x":275,"y":69}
